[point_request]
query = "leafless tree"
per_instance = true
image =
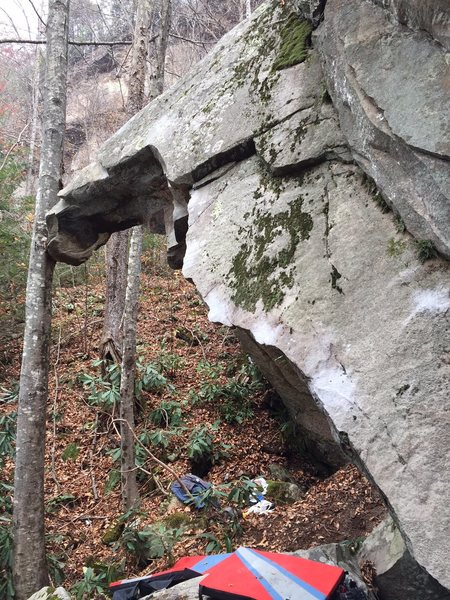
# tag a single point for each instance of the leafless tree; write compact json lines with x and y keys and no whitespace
{"x":135,"y":102}
{"x":157,"y":78}
{"x":30,"y":568}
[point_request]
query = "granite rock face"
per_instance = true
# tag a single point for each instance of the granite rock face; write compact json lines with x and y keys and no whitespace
{"x":50,"y":593}
{"x":390,"y":87}
{"x":273,"y":168}
{"x":311,"y":266}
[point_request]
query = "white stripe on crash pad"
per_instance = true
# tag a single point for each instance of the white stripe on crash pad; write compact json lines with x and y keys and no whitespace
{"x":286,"y":586}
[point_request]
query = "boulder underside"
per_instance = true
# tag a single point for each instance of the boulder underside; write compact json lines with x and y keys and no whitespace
{"x":302,"y":178}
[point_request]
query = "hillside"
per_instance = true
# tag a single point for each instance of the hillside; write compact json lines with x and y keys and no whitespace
{"x":194,"y":358}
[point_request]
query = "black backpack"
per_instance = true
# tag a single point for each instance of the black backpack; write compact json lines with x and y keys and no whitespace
{"x":349,"y":590}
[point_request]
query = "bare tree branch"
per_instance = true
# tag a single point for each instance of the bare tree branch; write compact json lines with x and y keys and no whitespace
{"x":73,"y":43}
{"x":13,"y":146}
{"x":11,"y":21}
{"x":197,"y":42}
{"x":37,"y":13}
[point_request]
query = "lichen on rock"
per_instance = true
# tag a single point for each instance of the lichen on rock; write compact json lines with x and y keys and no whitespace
{"x":263,"y":267}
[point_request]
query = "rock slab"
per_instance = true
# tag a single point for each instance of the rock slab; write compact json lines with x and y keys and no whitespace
{"x":274,"y":181}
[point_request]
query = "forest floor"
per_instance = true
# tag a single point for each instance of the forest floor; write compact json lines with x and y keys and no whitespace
{"x":208,"y":395}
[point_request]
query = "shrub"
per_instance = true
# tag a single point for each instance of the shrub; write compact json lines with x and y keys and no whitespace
{"x":7,"y":435}
{"x":425,"y":250}
{"x":242,"y":491}
{"x":6,"y":581}
{"x":151,"y":379}
{"x":169,"y":363}
{"x":234,"y":397}
{"x":91,"y":584}
{"x":154,"y":541}
{"x":168,"y":413}
{"x":104,"y":391}
{"x":201,"y":446}
{"x":96,"y":579}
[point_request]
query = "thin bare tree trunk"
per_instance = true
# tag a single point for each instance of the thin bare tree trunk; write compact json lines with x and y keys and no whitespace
{"x":139,"y":52}
{"x":117,"y":246}
{"x":29,"y":185}
{"x":157,"y":80}
{"x":29,"y":566}
{"x":130,"y":494}
{"x":135,"y":102}
{"x":248,"y":8}
{"x":116,"y":283}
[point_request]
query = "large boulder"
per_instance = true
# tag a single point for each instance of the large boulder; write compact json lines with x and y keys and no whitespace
{"x":312,"y":267}
{"x":273,"y":167}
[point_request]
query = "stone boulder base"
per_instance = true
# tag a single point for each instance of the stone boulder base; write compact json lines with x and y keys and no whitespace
{"x":50,"y":593}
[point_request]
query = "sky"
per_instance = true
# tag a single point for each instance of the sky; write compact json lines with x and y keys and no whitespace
{"x":21,"y":14}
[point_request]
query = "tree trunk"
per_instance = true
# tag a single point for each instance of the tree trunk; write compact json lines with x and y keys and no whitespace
{"x":245,"y":9}
{"x":30,"y":567}
{"x":130,"y":493}
{"x":157,"y":80}
{"x":29,"y":185}
{"x":117,"y":247}
{"x":139,"y":52}
{"x":135,"y":102}
{"x":116,"y":282}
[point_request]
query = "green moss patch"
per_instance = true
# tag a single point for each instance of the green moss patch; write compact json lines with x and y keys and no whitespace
{"x":113,"y":533}
{"x":257,"y":275}
{"x":294,"y":38}
{"x":177,"y":519}
{"x":396,"y":247}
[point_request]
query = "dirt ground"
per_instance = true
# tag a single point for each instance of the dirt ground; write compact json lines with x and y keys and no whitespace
{"x":80,"y":507}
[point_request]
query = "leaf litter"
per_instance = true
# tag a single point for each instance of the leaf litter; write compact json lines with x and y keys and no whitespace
{"x":81,"y":479}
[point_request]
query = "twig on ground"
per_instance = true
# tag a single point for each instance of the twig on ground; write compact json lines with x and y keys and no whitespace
{"x":91,"y":460}
{"x":55,"y":404}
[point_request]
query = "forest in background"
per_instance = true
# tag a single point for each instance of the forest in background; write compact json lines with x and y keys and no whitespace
{"x":93,"y":114}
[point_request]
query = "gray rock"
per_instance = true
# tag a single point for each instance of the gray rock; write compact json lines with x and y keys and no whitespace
{"x":279,"y":473}
{"x":432,"y":16}
{"x":50,"y":593}
{"x":312,"y":10}
{"x":398,"y":576}
{"x":208,"y":120}
{"x":346,"y":317}
{"x":343,"y":555}
{"x":132,"y":192}
{"x":308,"y":137}
{"x":396,"y":122}
{"x":188,"y":590}
{"x":284,"y":491}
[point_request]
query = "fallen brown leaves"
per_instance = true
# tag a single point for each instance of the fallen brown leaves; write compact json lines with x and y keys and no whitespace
{"x":340,"y":507}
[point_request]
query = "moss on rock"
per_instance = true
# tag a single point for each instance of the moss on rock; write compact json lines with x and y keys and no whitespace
{"x":177,"y":519}
{"x":283,"y":492}
{"x":113,"y":533}
{"x":293,"y":49}
{"x":262,"y":269}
